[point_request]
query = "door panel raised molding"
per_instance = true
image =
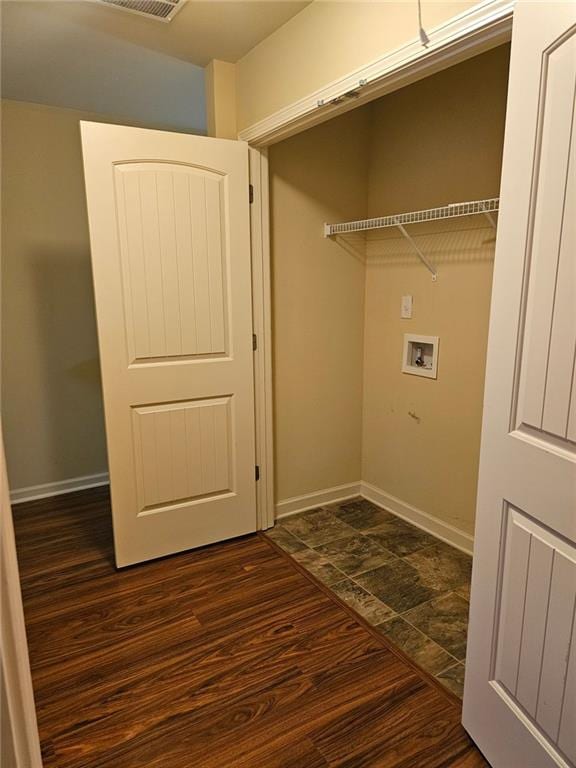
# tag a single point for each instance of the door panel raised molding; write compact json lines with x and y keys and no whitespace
{"x":173,"y":259}
{"x":547,"y":398}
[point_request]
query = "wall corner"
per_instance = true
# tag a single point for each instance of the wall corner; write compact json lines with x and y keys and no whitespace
{"x":221,"y":99}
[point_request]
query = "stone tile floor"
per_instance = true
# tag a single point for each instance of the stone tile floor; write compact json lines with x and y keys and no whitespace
{"x":412,"y":587}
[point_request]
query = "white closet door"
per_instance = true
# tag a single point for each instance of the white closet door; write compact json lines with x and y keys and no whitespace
{"x":170,"y":238}
{"x":520,"y":692}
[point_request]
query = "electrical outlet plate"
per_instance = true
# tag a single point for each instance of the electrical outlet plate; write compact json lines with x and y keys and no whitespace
{"x":406,"y":308}
{"x":420,"y":355}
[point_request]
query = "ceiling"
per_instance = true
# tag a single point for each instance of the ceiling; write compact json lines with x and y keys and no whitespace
{"x":84,"y":55}
{"x":201,"y":31}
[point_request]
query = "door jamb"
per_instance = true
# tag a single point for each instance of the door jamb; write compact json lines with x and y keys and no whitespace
{"x":15,"y":663}
{"x":262,"y":324}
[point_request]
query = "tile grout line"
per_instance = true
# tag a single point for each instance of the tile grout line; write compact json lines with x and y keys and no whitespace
{"x":429,"y":638}
{"x":458,"y":664}
{"x":447,"y":594}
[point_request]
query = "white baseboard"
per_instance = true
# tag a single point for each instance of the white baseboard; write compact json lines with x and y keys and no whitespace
{"x":443,"y":531}
{"x":317,"y":499}
{"x":19,"y":495}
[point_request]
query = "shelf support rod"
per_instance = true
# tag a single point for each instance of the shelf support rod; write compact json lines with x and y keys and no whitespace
{"x":488,"y":216}
{"x":427,"y":263}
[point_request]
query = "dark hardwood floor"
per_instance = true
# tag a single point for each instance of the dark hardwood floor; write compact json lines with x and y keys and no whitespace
{"x":225,"y":656}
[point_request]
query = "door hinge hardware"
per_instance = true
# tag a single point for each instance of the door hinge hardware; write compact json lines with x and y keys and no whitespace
{"x":254,"y":342}
{"x":251,"y":193}
{"x":257,"y":472}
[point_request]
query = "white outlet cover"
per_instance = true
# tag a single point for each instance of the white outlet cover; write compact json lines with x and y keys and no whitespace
{"x":406,"y":308}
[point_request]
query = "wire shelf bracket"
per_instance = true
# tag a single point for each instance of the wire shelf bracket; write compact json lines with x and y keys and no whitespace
{"x":453,"y":210}
{"x":424,"y":259}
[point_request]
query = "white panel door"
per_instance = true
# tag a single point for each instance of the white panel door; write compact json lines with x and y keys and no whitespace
{"x":170,"y":239}
{"x":520,"y":691}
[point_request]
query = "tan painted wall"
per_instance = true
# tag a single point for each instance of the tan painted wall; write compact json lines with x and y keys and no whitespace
{"x":51,"y":395}
{"x":51,"y":401}
{"x":326,"y":41}
{"x":221,"y":99}
{"x":318,"y":300}
{"x":436,"y":142}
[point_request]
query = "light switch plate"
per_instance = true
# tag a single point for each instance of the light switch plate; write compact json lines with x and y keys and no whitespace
{"x":406,"y":308}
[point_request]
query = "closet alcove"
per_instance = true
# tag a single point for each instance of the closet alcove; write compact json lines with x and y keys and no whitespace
{"x":341,"y":400}
{"x":383,"y":228}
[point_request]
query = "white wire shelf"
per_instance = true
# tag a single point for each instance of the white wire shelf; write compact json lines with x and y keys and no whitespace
{"x":450,"y":211}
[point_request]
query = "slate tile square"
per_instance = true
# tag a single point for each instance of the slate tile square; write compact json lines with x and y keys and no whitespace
{"x":355,"y":554}
{"x":362,"y":514}
{"x":397,"y":584}
{"x":318,"y":566}
{"x":426,"y":653}
{"x":368,"y":606}
{"x":317,"y":526}
{"x":453,"y":679}
{"x":444,"y":567}
{"x":285,"y":540}
{"x":400,"y":537}
{"x":445,"y":620}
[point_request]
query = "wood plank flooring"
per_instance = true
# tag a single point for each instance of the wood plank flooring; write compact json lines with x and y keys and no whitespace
{"x":228,"y":656}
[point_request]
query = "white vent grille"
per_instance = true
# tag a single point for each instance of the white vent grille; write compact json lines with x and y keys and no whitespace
{"x":162,"y":10}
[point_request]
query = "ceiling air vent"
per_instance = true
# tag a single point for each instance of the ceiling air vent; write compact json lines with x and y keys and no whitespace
{"x":162,"y":10}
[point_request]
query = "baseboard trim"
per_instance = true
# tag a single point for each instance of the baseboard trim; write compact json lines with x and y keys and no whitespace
{"x":316,"y":499}
{"x":443,"y":531}
{"x":33,"y":492}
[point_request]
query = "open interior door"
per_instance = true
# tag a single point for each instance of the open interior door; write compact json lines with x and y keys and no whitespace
{"x":520,"y":691}
{"x":170,"y":240}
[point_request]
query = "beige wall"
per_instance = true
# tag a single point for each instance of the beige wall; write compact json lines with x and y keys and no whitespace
{"x":51,"y":395}
{"x":436,"y":142}
{"x":318,"y":300}
{"x":51,"y":401}
{"x":221,"y":99}
{"x":326,"y":41}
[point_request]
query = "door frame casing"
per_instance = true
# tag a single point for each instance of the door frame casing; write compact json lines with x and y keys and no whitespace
{"x":469,"y":34}
{"x":262,"y":325}
{"x":15,"y":663}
